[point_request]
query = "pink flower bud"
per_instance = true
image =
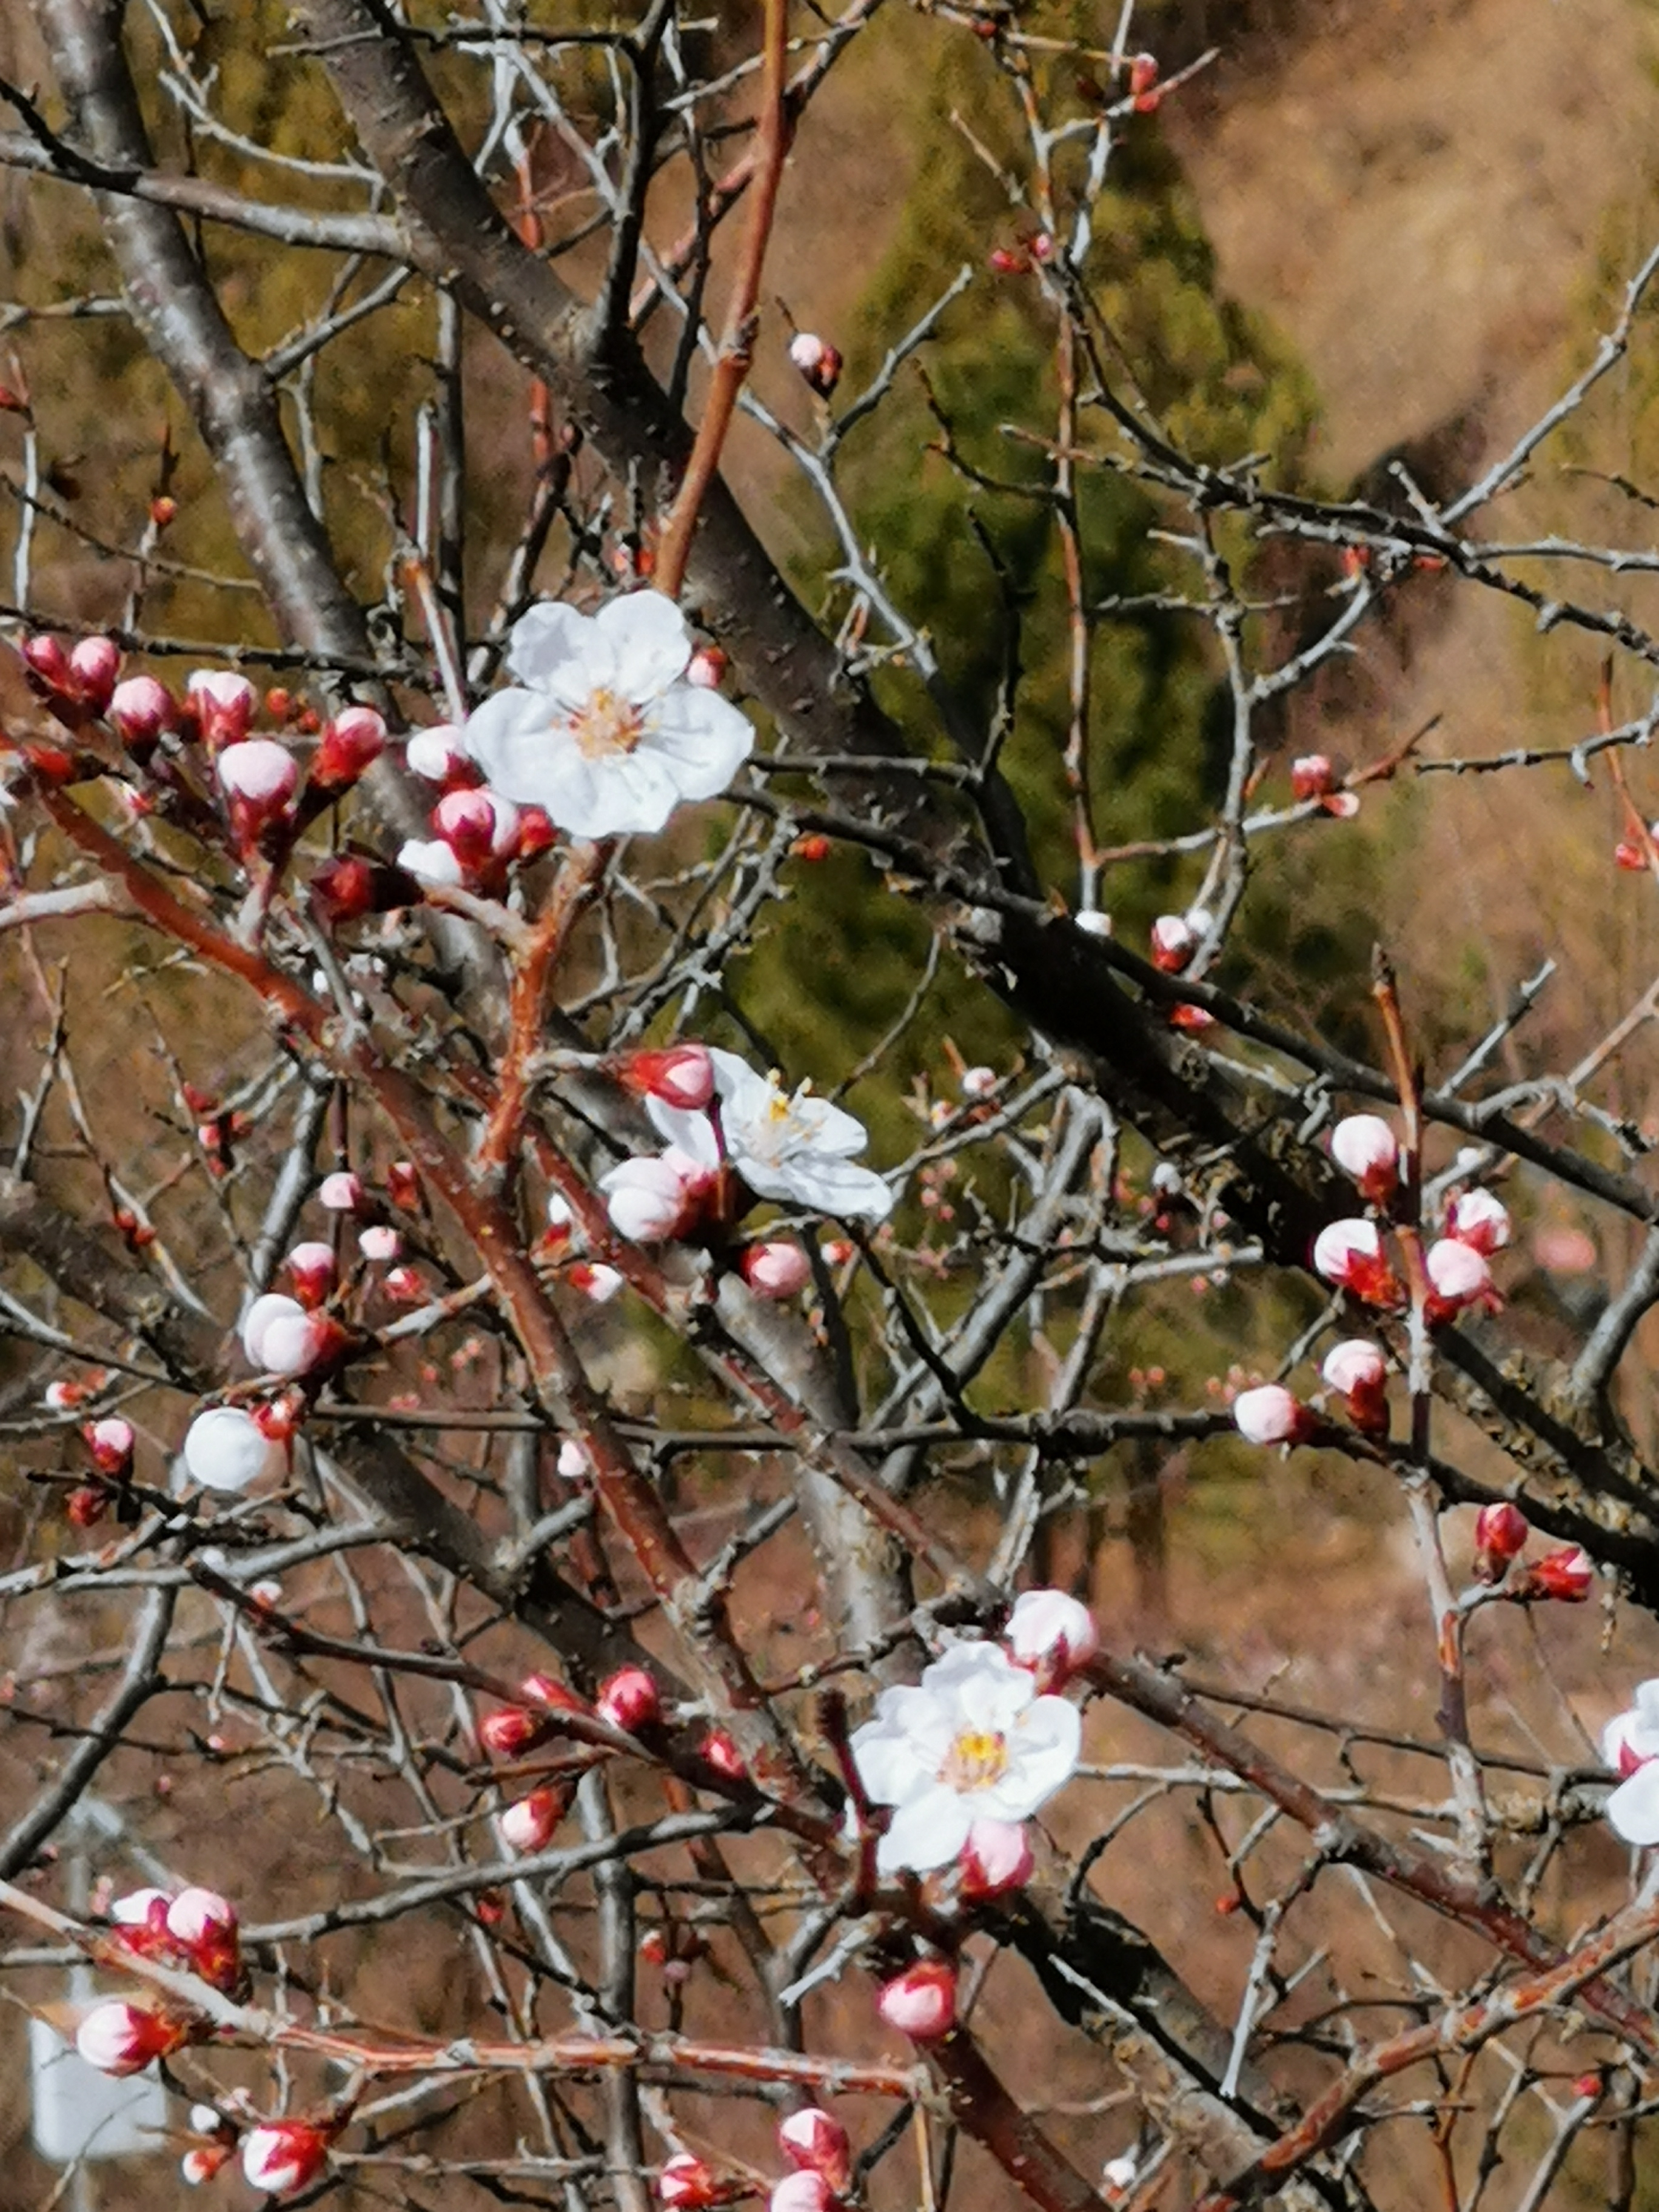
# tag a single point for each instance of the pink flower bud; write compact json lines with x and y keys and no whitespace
{"x":977,"y":1082}
{"x":1500,"y":1535}
{"x":680,"y":1075}
{"x":351,"y":743}
{"x":558,"y":1696}
{"x":536,"y":833}
{"x":1366,"y":1147}
{"x":818,"y":361}
{"x":1357,"y":1370}
{"x":1567,"y":1574}
{"x":204,"y":1925}
{"x":140,"y":1921}
{"x":226,"y":1449}
{"x":630,"y":1700}
{"x":706,"y":669}
{"x":403,"y":1185}
{"x":597,"y":1283}
{"x":1350,"y":1254}
{"x":110,"y":1443}
{"x":139,"y":711}
{"x":1270,"y":1415}
{"x":436,"y":754}
{"x":476,"y":826}
{"x":685,"y":2183}
{"x":648,"y":1200}
{"x":776,"y":1269}
{"x":206,"y":2159}
{"x":311,"y":1268}
{"x":282,"y":2157}
{"x":1051,"y":1634}
{"x":46,"y":659}
{"x":529,"y":1825}
{"x":272,"y":1306}
{"x":341,"y":1193}
{"x":1173,"y":943}
{"x":1457,"y":1274}
{"x":1312,"y":776}
{"x":94,"y":664}
{"x":1477,"y":1218}
{"x":124,"y":2039}
{"x":816,"y":2141}
{"x":721,"y":1753}
{"x":921,"y":2002}
{"x":405,"y":1286}
{"x":258,"y":777}
{"x":380,"y":1243}
{"x":995,"y":1859}
{"x":804,"y":2192}
{"x":510,"y":1732}
{"x":224,"y":705}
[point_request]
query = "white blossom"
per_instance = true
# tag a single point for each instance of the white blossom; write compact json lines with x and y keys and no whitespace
{"x":785,"y":1147}
{"x":226,"y":1449}
{"x":602,"y":731}
{"x":1630,"y":1745}
{"x":974,"y":1742}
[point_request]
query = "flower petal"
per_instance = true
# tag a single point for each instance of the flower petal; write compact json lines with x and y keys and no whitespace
{"x":928,"y":1831}
{"x":1042,"y":1755}
{"x":840,"y":1188}
{"x":1633,"y":1807}
{"x":512,"y":736}
{"x":704,"y":735}
{"x":557,"y":651}
{"x":689,"y":1131}
{"x":648,"y":644}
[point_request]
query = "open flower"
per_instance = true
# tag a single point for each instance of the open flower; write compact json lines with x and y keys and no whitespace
{"x":975,"y":1742}
{"x":783,"y":1147}
{"x":1630,"y":1745}
{"x":602,"y":729}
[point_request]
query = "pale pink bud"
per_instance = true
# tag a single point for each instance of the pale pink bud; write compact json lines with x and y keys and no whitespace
{"x":272,"y":1306}
{"x":1357,"y":1372}
{"x":1476,"y":1218}
{"x":1567,"y":1574}
{"x":94,"y":664}
{"x":60,"y":1396}
{"x":706,"y":669}
{"x":679,"y":1075}
{"x":124,"y":2039}
{"x":141,"y":708}
{"x":529,"y":1824}
{"x":282,"y":2157}
{"x":921,"y":2002}
{"x":685,"y":2183}
{"x":1312,"y":776}
{"x":977,"y":1082}
{"x":1173,"y":943}
{"x":1366,"y":1147}
{"x":224,"y":704}
{"x":46,"y":659}
{"x":476,"y":824}
{"x":341,"y":1192}
{"x":404,"y":1285}
{"x":804,"y":2192}
{"x":381,"y":1244}
{"x":351,"y":744}
{"x":818,"y":361}
{"x":1270,"y":1415}
{"x":110,"y":1443}
{"x":311,"y":1269}
{"x":206,"y":2159}
{"x":430,"y":860}
{"x":260,"y":778}
{"x":1457,"y":1274}
{"x":226,"y":1449}
{"x":1500,"y":1535}
{"x":510,"y":1732}
{"x":648,"y":1200}
{"x":1350,"y":1253}
{"x":138,"y":1907}
{"x":597,"y":1283}
{"x":776,"y":1269}
{"x":630,"y":1700}
{"x":435,"y":754}
{"x":1093,"y":923}
{"x":722,"y":1754}
{"x":204,"y":1925}
{"x":573,"y":1463}
{"x":1052,"y":1633}
{"x":815,"y":2140}
{"x":995,"y":1859}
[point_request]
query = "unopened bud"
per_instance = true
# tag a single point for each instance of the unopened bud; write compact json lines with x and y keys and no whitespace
{"x":1271,"y":1415}
{"x":818,"y":361}
{"x":110,"y":1443}
{"x":630,"y":1700}
{"x":921,"y":2002}
{"x":685,"y":2183}
{"x":1567,"y":1575}
{"x":351,"y":743}
{"x":140,"y":710}
{"x":1366,"y":1147}
{"x":1500,"y":1535}
{"x":776,"y":1269}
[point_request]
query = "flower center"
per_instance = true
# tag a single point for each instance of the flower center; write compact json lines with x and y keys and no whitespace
{"x":976,"y":1758}
{"x":606,"y":726}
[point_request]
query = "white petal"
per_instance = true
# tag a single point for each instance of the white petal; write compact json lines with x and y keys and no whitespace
{"x":704,"y":735}
{"x":559,"y":651}
{"x":928,"y":1831}
{"x":840,"y":1188}
{"x":901,"y":1750}
{"x":647,"y":641}
{"x":430,"y":859}
{"x":1633,"y":1807}
{"x":1042,"y":1755}
{"x":740,"y":1087}
{"x":982,"y":1685}
{"x":688,"y":1131}
{"x":511,"y":737}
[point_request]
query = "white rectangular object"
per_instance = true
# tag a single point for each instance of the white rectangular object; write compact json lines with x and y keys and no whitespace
{"x":79,"y":2113}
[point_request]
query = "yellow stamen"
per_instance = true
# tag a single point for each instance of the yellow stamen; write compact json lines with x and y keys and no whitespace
{"x":974,"y":1760}
{"x":606,"y":726}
